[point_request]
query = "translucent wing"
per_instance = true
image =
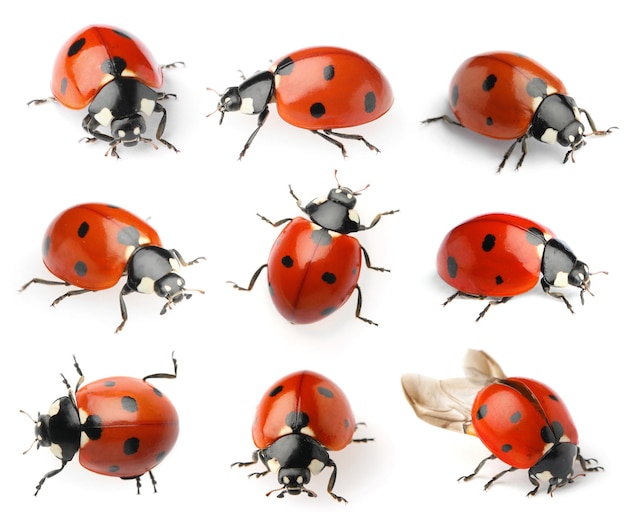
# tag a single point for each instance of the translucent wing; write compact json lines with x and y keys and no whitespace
{"x":448,"y":403}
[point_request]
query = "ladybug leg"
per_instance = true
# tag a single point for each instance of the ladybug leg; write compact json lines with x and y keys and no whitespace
{"x":536,"y":485}
{"x":492,"y":302}
{"x":165,"y":375}
{"x":182,"y":261}
{"x":359,"y":303}
{"x":125,"y":290}
{"x":377,"y":219}
{"x":559,"y":295}
{"x":510,"y":151}
{"x":277,"y":223}
{"x":260,"y":122}
{"x":68,"y":294}
{"x":478,"y":468}
{"x":37,"y":102}
{"x":255,"y":459}
{"x":584,"y":463}
{"x":368,"y":263}
{"x":48,"y":475}
{"x":584,"y":112}
{"x":326,"y":134}
{"x":161,"y":128}
{"x":255,"y":276}
{"x":331,"y":483}
{"x":444,"y":118}
{"x":81,"y":376}
{"x":43,"y":282}
{"x":501,"y":474}
{"x":298,"y":202}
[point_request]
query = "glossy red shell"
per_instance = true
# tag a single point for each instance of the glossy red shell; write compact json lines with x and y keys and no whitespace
{"x":329,"y":87}
{"x":330,"y":418}
{"x":139,"y":426}
{"x":312,"y":272}
{"x":77,"y":75}
{"x":89,"y":245}
{"x":488,"y":93}
{"x":496,"y":255}
{"x":509,"y":415}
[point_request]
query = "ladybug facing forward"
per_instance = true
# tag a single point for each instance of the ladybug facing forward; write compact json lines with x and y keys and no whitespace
{"x":314,"y":265}
{"x":503,"y":255}
{"x":317,"y":89}
{"x":120,"y":427}
{"x":115,"y":75}
{"x":509,"y":96}
{"x":91,"y":246}
{"x":523,"y":422}
{"x":299,"y":419}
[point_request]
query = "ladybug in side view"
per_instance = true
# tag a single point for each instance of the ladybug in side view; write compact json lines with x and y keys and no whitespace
{"x":502,"y":255}
{"x":314,"y":265}
{"x":299,"y":419}
{"x":522,"y":422}
{"x":317,"y":89}
{"x":114,"y":74}
{"x":120,"y":426}
{"x":508,"y":96}
{"x":91,"y":246}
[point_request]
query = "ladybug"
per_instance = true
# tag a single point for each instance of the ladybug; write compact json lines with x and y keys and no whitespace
{"x":299,"y":419}
{"x":502,"y":255}
{"x":120,"y":426}
{"x":314,"y":265}
{"x":317,"y":89}
{"x":114,"y":74}
{"x":522,"y":422}
{"x":507,"y":96}
{"x":91,"y":246}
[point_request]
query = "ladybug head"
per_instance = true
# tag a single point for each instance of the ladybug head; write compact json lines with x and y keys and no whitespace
{"x":128,"y":130}
{"x":42,"y":436}
{"x":556,"y":467}
{"x":560,"y":267}
{"x":336,"y":211}
{"x":229,"y":101}
{"x":293,"y":481}
{"x":172,"y":288}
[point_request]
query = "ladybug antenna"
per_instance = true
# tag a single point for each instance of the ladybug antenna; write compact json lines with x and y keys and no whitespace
{"x":585,"y":286}
{"x":219,"y":107}
{"x":176,"y":298}
{"x":25,"y":413}
{"x":358,"y":192}
{"x":283,"y":491}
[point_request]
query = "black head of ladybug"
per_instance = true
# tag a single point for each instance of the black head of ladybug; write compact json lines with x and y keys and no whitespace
{"x":128,"y":130}
{"x":251,"y":97}
{"x":336,"y":211}
{"x":556,"y":467}
{"x":60,"y":429}
{"x":560,"y":267}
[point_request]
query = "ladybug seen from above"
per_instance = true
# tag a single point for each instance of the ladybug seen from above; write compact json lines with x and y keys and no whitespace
{"x":314,"y":266}
{"x":114,"y":74}
{"x":119,"y":426}
{"x":503,"y":255}
{"x":91,"y":246}
{"x":317,"y":89}
{"x":522,"y":422}
{"x":299,"y":420}
{"x":508,"y":96}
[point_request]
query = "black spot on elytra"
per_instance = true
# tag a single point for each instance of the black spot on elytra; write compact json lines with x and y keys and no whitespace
{"x":131,"y":446}
{"x":129,"y":404}
{"x":329,"y":278}
{"x":454,"y":96}
{"x":297,"y":420}
{"x":114,"y":469}
{"x":109,"y":383}
{"x":482,"y":412}
{"x":276,"y":390}
{"x":453,"y":267}
{"x":160,"y":456}
{"x":287,"y":261}
{"x":326,"y":393}
{"x":46,"y":246}
{"x":321,"y":237}
{"x":83,"y":229}
{"x":346,"y":423}
{"x":370,"y":102}
{"x":553,"y":397}
{"x":157,"y":392}
{"x":537,"y":88}
{"x":515,"y":417}
{"x":489,"y":242}
{"x":76,"y":47}
{"x":552,"y":434}
{"x":489,"y":82}
{"x":114,"y":66}
{"x":93,"y":427}
{"x":128,"y":236}
{"x":329,"y":72}
{"x":506,"y":448}
{"x":80,"y":267}
{"x":64,"y":85}
{"x":535,"y":236}
{"x":328,"y":311}
{"x":285,"y":66}
{"x":499,"y":280}
{"x":122,"y":34}
{"x":489,"y":121}
{"x":317,"y":110}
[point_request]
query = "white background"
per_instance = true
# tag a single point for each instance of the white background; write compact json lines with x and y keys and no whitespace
{"x":232,"y":345}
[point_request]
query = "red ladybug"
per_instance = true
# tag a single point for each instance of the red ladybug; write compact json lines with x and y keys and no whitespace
{"x":317,"y":89}
{"x":114,"y":73}
{"x":120,"y":426}
{"x":299,"y":419}
{"x":522,"y":422}
{"x":314,"y":266}
{"x":509,"y":96}
{"x":91,"y":246}
{"x":503,"y":255}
